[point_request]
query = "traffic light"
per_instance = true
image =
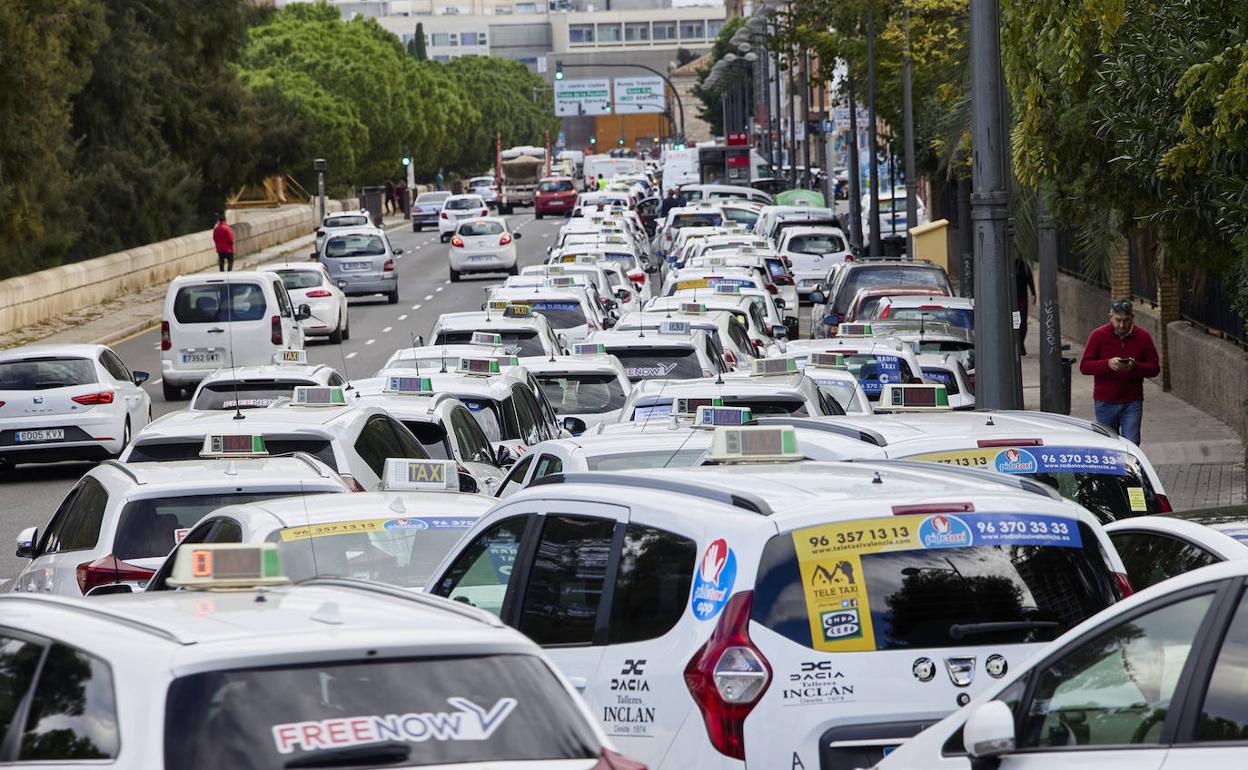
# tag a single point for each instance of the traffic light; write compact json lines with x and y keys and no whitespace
{"x":407,"y":160}
{"x":620,"y":141}
{"x":558,"y":69}
{"x":593,"y":140}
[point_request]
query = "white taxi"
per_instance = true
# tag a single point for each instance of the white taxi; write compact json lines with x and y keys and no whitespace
{"x":585,"y":388}
{"x":257,"y":387}
{"x":876,"y":362}
{"x":569,"y":309}
{"x":524,"y":333}
{"x":675,"y":352}
{"x":485,"y":245}
{"x":309,"y":283}
{"x":773,"y":387}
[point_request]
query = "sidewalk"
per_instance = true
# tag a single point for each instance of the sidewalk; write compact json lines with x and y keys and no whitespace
{"x":1200,"y":459}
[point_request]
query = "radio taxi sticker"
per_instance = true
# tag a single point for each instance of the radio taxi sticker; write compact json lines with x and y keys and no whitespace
{"x":1020,"y":460}
{"x":468,"y":722}
{"x":830,"y":560}
{"x":420,"y":523}
{"x":713,"y":582}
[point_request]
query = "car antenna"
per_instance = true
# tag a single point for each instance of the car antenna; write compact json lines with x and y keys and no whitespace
{"x":677,"y":450}
{"x":662,"y":388}
{"x":229,"y":330}
{"x":487,"y":304}
{"x":415,"y":358}
{"x":443,"y":370}
{"x":307,"y":520}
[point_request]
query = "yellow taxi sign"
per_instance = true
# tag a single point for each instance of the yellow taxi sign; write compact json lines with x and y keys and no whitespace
{"x":754,"y":443}
{"x":498,"y":304}
{"x":291,"y":357}
{"x":692,"y":283}
{"x":429,"y":475}
{"x":233,"y":445}
{"x":928,"y":397}
{"x":512,"y":310}
{"x":208,"y":566}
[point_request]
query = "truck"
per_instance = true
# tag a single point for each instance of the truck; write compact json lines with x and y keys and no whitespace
{"x":519,"y":170}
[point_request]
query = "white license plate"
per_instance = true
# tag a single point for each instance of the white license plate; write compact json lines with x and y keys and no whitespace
{"x":207,"y":357}
{"x":480,"y":258}
{"x":357,"y":265}
{"x":811,"y":282}
{"x":54,"y":434}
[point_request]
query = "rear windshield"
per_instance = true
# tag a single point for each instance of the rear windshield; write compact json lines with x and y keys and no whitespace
{"x":676,"y":363}
{"x":208,"y":303}
{"x":706,"y":219}
{"x":301,"y":279}
{"x":887,"y":275}
{"x":355,"y":246}
{"x":963,"y":352}
{"x":161,"y":452}
{"x":459,"y":204}
{"x":818,"y":243}
{"x":945,"y":377}
{"x":959,"y":317}
{"x":562,"y":314}
{"x":582,"y":393}
{"x":562,"y":185}
{"x":427,"y":711}
{"x":628,"y":461}
{"x":517,"y":342}
{"x":759,"y":406}
{"x":431,"y":198}
{"x":44,"y":373}
{"x":876,"y":371}
{"x":480,"y":228}
{"x":931,"y":581}
{"x":742,"y":216}
{"x":152,"y":527}
{"x":432,"y":436}
{"x":245,"y":395}
{"x":399,"y":551}
{"x":355,"y":220}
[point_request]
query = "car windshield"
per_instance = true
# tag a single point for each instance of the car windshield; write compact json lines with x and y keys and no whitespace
{"x":481,"y":181}
{"x":354,"y":220}
{"x":960,"y":317}
{"x":516,"y":342}
{"x":480,"y":228}
{"x":629,"y":461}
{"x":355,"y":246}
{"x":301,"y":279}
{"x":657,"y":363}
{"x":701,"y":219}
{"x":432,"y":199}
{"x":219,"y":303}
{"x":944,"y":376}
{"x":876,"y":371}
{"x":448,"y":710}
{"x":150,"y":528}
{"x":741,"y":216}
{"x":580,"y":393}
{"x":885,"y":584}
{"x":248,"y":394}
{"x":459,"y":204}
{"x":45,"y":373}
{"x":561,"y":185}
{"x":816,"y":244}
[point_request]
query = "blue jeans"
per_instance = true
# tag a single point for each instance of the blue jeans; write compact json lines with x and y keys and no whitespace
{"x":1124,"y":418}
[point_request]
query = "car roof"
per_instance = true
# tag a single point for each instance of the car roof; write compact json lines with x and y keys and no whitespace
{"x":451,"y":352}
{"x":193,"y":476}
{"x":249,"y":275}
{"x":322,"y":509}
{"x":971,"y":427}
{"x":273,"y":419}
{"x":616,"y":339}
{"x":46,"y":350}
{"x":476,"y":386}
{"x":268,"y":372}
{"x":479,"y":319}
{"x":572,"y":364}
{"x":344,"y":232}
{"x":775,"y":385}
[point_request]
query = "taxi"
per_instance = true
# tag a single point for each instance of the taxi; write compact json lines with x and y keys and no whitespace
{"x":631,"y":264}
{"x":831,"y":373}
{"x":395,"y":536}
{"x":876,"y":362}
{"x":585,"y":388}
{"x":571,"y":311}
{"x":931,"y":337}
{"x":728,"y":335}
{"x":706,"y":277}
{"x":1157,"y":548}
{"x":774,"y":386}
{"x":751,"y":315}
{"x":257,"y":387}
{"x":765,"y":262}
{"x":438,"y":357}
{"x":119,"y":521}
{"x":946,"y":369}
{"x":524,"y":333}
{"x":244,"y":670}
{"x":805,"y":615}
{"x":601,"y":275}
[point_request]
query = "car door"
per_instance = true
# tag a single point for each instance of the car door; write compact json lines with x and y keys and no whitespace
{"x":133,"y":395}
{"x":72,"y":538}
{"x":292,"y":330}
{"x":1151,"y":557}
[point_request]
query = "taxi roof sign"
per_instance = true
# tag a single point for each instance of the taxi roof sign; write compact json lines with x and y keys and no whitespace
{"x":562,"y":281}
{"x":854,"y":330}
{"x":411,"y":475}
{"x":683,"y":406}
{"x":714,"y":416}
{"x":927,"y":397}
{"x":233,"y":445}
{"x":754,"y":443}
{"x":498,"y":304}
{"x":727,"y":288}
{"x":507,"y":360}
{"x":693,"y":308}
{"x":291,"y":357}
{"x":589,"y":349}
{"x":675,"y":327}
{"x":826,"y":360}
{"x":512,"y":310}
{"x":487,"y":338}
{"x":317,"y":395}
{"x":224,"y":566}
{"x":478,"y":366}
{"x":553,"y":269}
{"x":409,"y":386}
{"x":767,"y":367}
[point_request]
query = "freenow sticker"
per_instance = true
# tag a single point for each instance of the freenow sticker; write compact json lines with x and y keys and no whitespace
{"x":713,"y":582}
{"x":468,"y":722}
{"x":654,"y":370}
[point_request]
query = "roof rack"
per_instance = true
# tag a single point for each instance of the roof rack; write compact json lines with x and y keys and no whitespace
{"x":427,"y":600}
{"x":95,"y":609}
{"x":809,"y":423}
{"x":743,"y":500}
{"x":1064,"y":419}
{"x":991,"y":477}
{"x":120,"y":466}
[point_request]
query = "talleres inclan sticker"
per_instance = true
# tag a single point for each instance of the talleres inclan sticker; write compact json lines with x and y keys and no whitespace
{"x":712,"y":584}
{"x":830,"y":559}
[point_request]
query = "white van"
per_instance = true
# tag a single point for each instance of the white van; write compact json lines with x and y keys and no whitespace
{"x":224,"y":319}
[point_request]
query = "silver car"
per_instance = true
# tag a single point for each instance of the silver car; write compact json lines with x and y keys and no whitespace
{"x":425,"y":209}
{"x":362,"y":262}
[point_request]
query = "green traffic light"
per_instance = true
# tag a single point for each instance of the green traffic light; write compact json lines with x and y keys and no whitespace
{"x":407,"y":161}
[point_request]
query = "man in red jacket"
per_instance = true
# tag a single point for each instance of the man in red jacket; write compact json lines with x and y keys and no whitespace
{"x":223,"y":239}
{"x":1118,"y":356}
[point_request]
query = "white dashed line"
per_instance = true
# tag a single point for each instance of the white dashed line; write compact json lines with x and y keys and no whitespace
{"x":428,"y":297}
{"x":157,"y":381}
{"x":448,"y":281}
{"x":403,"y":317}
{"x":386,"y":330}
{"x":438,"y":289}
{"x":369,"y":342}
{"x":351,"y":355}
{"x":415,"y":307}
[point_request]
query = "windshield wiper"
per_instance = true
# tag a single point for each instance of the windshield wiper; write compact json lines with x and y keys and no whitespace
{"x":374,"y":754}
{"x":963,"y":630}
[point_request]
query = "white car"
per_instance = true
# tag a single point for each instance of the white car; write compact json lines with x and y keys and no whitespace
{"x":353,"y":219}
{"x":456,"y":209}
{"x":958,"y":312}
{"x":585,"y":389}
{"x":524,"y":333}
{"x":675,"y":352}
{"x":947,"y":369}
{"x":119,"y":521}
{"x":784,"y":393}
{"x":1159,"y":547}
{"x":1152,"y":683}
{"x":308,"y":283}
{"x":876,"y":362}
{"x":212,"y":320}
{"x":803,"y":611}
{"x":570,"y":310}
{"x":811,"y":252}
{"x":486,"y":187}
{"x":258,"y":387}
{"x":68,"y":402}
{"x":483,"y":245}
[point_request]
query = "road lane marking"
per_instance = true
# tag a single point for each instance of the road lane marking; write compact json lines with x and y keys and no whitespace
{"x":403,"y":317}
{"x":438,"y":289}
{"x":369,"y":342}
{"x":157,"y":381}
{"x":386,"y":330}
{"x":351,"y":355}
{"x":428,"y":297}
{"x":415,"y":307}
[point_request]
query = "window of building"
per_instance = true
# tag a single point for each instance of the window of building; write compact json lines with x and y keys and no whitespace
{"x":609,"y":33}
{"x":503,"y":10}
{"x":439,"y":39}
{"x":692,"y":30}
{"x":665,"y":30}
{"x":526,"y":8}
{"x":580,"y":33}
{"x":441,"y":58}
{"x":637,"y":32}
{"x":713,"y":26}
{"x":471,"y":38}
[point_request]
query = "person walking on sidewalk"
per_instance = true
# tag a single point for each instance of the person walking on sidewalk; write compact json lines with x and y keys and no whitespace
{"x":223,"y":240}
{"x":1118,"y":356}
{"x":388,"y":201}
{"x":439,"y":181}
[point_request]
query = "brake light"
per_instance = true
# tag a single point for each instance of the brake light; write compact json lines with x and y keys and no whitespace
{"x":728,"y":676}
{"x":166,"y":342}
{"x":849,"y":257}
{"x":92,"y":399}
{"x":457,"y":241}
{"x":758,"y":344}
{"x":931,"y":307}
{"x":730,"y":358}
{"x":884,"y":312}
{"x":352,"y":484}
{"x":609,"y":760}
{"x":637,"y":277}
{"x":443,"y":215}
{"x":1,"y":403}
{"x":505,"y":239}
{"x":990,"y":442}
{"x":1124,"y":584}
{"x":923,"y":509}
{"x":388,"y":267}
{"x":318,"y":293}
{"x":784,"y":280}
{"x":771,"y":288}
{"x":276,"y":335}
{"x":484,"y":212}
{"x":109,"y":569}
{"x":1163,"y":502}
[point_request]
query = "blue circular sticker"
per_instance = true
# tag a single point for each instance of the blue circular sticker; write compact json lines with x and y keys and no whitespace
{"x":406,"y":524}
{"x":712,"y":585}
{"x":944,"y":531}
{"x":1014,"y":460}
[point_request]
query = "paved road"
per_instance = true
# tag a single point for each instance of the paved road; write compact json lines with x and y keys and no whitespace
{"x":377,"y":329}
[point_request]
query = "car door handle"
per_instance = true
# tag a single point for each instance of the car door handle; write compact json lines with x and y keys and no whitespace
{"x":216,"y":331}
{"x":579,"y":682}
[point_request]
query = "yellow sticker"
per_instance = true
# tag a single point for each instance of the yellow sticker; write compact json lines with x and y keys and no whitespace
{"x":292,"y":534}
{"x":1136,"y":496}
{"x":965,"y":458}
{"x":692,"y":283}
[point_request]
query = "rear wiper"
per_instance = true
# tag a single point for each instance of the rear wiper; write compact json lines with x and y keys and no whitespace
{"x":374,"y":754}
{"x":963,"y":630}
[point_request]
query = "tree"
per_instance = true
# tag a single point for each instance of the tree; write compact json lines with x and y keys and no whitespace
{"x":710,"y":110}
{"x":513,"y":102}
{"x":417,"y":46}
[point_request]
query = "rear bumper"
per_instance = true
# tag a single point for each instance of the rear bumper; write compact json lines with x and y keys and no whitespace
{"x":853,"y":746}
{"x":87,"y":437}
{"x":494,"y":262}
{"x":365,"y":285}
{"x":554,"y":206}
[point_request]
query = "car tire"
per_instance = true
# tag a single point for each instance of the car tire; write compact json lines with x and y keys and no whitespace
{"x":537,"y":215}
{"x":416,"y":228}
{"x":125,"y":439}
{"x":171,"y":392}
{"x":393,"y":297}
{"x":454,"y":275}
{"x":346,"y":329}
{"x":335,"y":337}
{"x":514,"y":269}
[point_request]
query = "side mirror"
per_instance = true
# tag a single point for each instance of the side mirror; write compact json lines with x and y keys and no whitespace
{"x":396,"y":252}
{"x":550,"y":250}
{"x":857,"y":251}
{"x":779,"y":302}
{"x":140,"y":377}
{"x":26,"y":542}
{"x":303,"y":312}
{"x":504,"y":458}
{"x":622,"y":294}
{"x":779,"y":331}
{"x":652,"y":269}
{"x":574,"y":425}
{"x":989,"y":732}
{"x":111,"y":588}
{"x":518,"y":236}
{"x":817,"y":298}
{"x":608,"y":322}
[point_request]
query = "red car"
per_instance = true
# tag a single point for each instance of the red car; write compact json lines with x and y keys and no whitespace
{"x":555,"y":195}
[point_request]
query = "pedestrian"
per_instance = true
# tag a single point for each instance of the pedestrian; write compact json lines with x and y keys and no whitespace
{"x":389,"y":196}
{"x":400,"y":193}
{"x":673,"y":200}
{"x":602,"y":181}
{"x":223,"y":240}
{"x":439,"y":181}
{"x":1024,"y":281}
{"x":1118,"y":356}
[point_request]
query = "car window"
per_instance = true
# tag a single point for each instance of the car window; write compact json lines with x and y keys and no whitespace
{"x":462,"y":204}
{"x":77,"y":525}
{"x":656,"y":363}
{"x":561,"y":313}
{"x":301,"y":279}
{"x":382,"y":438}
{"x":355,"y":245}
{"x":18,"y":660}
{"x":432,"y":437}
{"x":471,"y":439}
{"x":151,"y":527}
{"x":353,"y":220}
{"x":1224,"y":713}
{"x":73,"y":711}
{"x":1151,"y":558}
{"x":158,"y":451}
{"x":515,"y":479}
{"x":566,"y":580}
{"x":283,"y":299}
{"x":1114,"y":689}
{"x":651,"y":585}
{"x":219,"y":303}
{"x":815,"y":244}
{"x":480,"y":228}
{"x":517,"y":342}
{"x":479,"y":576}
{"x":46,"y":372}
{"x":529,"y":415}
{"x":249,"y":394}
{"x":114,"y":366}
{"x":547,"y":466}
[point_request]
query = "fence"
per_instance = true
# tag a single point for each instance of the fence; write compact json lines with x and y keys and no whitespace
{"x":1071,"y":262}
{"x":1205,"y":302}
{"x":1143,"y":268}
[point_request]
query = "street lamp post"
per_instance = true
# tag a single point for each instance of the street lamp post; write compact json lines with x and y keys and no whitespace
{"x":873,"y":203}
{"x":855,"y":169}
{"x":319,"y":165}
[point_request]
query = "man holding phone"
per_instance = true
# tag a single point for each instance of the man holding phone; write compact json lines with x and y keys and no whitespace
{"x":1118,"y":356}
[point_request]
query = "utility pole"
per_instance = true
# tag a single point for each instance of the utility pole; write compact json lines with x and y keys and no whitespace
{"x":855,"y":183}
{"x":319,"y":165}
{"x":792,"y":123}
{"x":997,"y":380}
{"x":805,"y":74}
{"x":873,"y":202}
{"x":966,"y":251}
{"x":777,"y":162}
{"x":1053,"y":394}
{"x":907,"y":98}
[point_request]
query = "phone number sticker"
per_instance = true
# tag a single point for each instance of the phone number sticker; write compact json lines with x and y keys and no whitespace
{"x":1020,"y":460}
{"x":1026,"y":529}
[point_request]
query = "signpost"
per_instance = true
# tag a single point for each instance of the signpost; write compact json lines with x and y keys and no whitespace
{"x":582,"y":97}
{"x":644,"y":94}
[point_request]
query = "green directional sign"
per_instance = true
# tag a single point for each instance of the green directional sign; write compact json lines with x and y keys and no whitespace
{"x":582,"y":97}
{"x":644,"y":94}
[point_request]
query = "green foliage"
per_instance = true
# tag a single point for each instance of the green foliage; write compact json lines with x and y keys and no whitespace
{"x":512,"y":101}
{"x":418,"y":48}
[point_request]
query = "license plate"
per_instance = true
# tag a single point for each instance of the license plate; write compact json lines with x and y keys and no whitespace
{"x":207,"y":357}
{"x":480,"y":258}
{"x":53,"y":434}
{"x":357,"y":265}
{"x":811,"y":282}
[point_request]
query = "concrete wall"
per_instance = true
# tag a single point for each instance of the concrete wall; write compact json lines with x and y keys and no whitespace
{"x":1085,"y":307}
{"x":28,"y":299}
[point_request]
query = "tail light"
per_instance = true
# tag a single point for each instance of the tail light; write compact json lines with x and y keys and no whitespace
{"x":505,"y":239}
{"x":849,"y":257}
{"x":626,"y":298}
{"x":884,"y":312}
{"x":758,"y":344}
{"x":388,"y":267}
{"x":443,"y":215}
{"x":728,"y":676}
{"x":1163,"y":502}
{"x":109,"y":569}
{"x":318,"y":294}
{"x":92,"y":399}
{"x":1,"y":403}
{"x":457,"y":241}
{"x":352,"y":484}
{"x":1124,"y":584}
{"x":637,"y":277}
{"x":783,"y":280}
{"x":166,"y":342}
{"x":484,"y":212}
{"x":609,"y":760}
{"x":771,"y":289}
{"x":991,"y":442}
{"x":276,"y":335}
{"x":730,"y":358}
